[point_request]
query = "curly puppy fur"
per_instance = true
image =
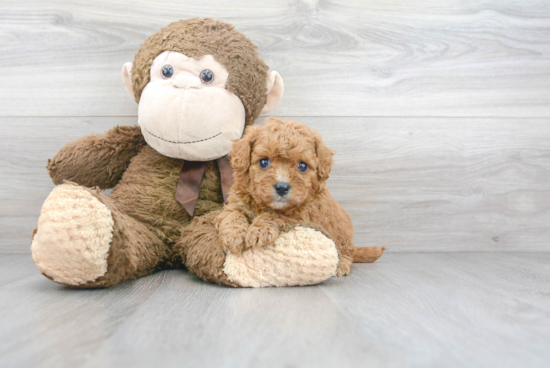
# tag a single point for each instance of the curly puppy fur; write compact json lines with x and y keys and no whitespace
{"x":256,"y":213}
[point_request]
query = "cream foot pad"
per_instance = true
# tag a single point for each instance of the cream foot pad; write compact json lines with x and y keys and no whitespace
{"x":74,"y":233}
{"x":300,"y":257}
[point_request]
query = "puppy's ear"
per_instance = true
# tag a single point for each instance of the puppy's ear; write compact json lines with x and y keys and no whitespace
{"x":242,"y":149}
{"x":324,"y":158}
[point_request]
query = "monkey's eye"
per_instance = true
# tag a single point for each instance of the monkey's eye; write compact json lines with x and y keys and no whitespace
{"x":302,"y":167}
{"x":264,"y":163}
{"x":167,"y":71}
{"x":207,"y":76}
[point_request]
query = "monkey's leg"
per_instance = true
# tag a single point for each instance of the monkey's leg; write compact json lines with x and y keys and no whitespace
{"x":201,"y":248}
{"x":300,"y":256}
{"x":82,"y":240}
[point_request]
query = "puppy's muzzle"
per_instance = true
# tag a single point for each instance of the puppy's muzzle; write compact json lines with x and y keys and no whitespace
{"x":282,"y":188}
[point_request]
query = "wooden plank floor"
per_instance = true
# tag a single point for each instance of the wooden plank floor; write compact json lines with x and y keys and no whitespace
{"x":407,"y":310}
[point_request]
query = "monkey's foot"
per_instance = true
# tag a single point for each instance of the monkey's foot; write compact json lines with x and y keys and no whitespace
{"x":74,"y":234}
{"x":302,"y":256}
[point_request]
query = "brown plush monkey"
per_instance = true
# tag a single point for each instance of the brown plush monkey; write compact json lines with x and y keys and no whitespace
{"x":198,"y":83}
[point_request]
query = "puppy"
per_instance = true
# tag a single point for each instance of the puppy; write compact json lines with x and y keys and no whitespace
{"x":280,"y":170}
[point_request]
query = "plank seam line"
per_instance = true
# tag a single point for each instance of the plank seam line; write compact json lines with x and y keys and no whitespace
{"x":296,"y":116}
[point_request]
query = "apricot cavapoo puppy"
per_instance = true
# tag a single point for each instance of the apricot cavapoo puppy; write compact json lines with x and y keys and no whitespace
{"x":280,"y":169}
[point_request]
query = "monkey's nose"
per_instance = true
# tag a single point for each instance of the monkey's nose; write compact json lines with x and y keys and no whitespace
{"x":187,"y":81}
{"x":282,"y":188}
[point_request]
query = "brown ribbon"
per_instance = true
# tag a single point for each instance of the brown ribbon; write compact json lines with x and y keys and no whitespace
{"x":189,"y":183}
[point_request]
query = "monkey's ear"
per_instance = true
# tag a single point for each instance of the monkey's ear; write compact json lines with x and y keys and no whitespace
{"x":324,"y":158}
{"x":242,"y":149}
{"x":275,"y":89}
{"x":127,"y":78}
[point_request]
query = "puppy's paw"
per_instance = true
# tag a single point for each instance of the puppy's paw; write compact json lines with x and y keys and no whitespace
{"x":261,"y":236}
{"x":232,"y":227}
{"x":344,"y":267}
{"x":233,"y":238}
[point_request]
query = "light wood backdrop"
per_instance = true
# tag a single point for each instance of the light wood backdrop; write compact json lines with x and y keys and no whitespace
{"x":439,"y":110}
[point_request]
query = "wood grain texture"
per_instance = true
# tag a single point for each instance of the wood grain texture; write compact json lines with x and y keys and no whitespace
{"x":439,"y":112}
{"x":337,"y":58}
{"x":453,"y":309}
{"x":410,"y":184}
{"x":406,"y":310}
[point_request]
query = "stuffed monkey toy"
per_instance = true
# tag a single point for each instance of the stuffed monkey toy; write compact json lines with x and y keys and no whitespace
{"x":197,"y":83}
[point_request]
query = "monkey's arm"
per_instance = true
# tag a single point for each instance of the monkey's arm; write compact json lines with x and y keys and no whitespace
{"x":97,"y":160}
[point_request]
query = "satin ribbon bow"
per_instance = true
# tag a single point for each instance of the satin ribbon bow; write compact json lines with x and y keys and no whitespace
{"x":189,"y":183}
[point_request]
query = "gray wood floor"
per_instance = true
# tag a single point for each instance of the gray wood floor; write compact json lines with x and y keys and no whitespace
{"x":407,"y":310}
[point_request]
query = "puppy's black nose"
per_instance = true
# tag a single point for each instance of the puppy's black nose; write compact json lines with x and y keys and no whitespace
{"x":282,"y":188}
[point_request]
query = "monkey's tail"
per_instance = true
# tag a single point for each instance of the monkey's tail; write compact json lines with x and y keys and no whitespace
{"x":367,"y":254}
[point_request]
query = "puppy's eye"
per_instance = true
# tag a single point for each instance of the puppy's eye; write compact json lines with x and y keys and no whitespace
{"x":167,"y":71}
{"x":264,"y":163}
{"x":302,"y":167}
{"x":207,"y":76}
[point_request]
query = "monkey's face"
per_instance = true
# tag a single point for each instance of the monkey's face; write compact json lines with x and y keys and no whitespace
{"x":185,"y":111}
{"x":198,"y":82}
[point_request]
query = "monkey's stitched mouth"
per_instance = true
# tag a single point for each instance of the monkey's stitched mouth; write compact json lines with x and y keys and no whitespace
{"x":166,"y":140}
